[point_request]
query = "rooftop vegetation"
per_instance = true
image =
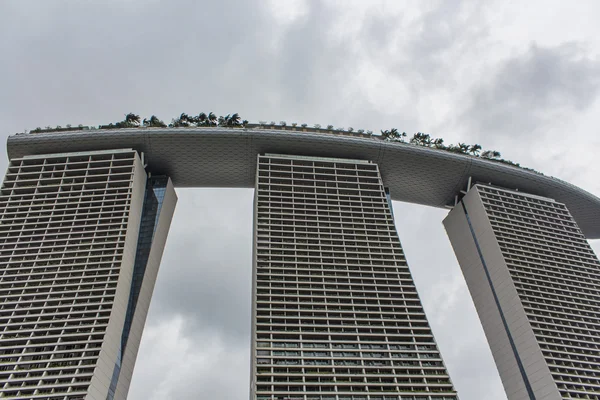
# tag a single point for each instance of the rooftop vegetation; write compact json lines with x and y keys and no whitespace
{"x":210,"y":119}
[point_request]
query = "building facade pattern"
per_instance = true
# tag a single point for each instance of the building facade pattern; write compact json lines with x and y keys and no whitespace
{"x":336,"y":312}
{"x":557,"y":277}
{"x":551,"y":294}
{"x":69,"y":228}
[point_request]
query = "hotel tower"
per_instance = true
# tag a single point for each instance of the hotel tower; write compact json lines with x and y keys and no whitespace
{"x":336,"y":315}
{"x":535,"y":282}
{"x":81,"y":238}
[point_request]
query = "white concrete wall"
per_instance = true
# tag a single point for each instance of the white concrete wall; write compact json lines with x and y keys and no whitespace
{"x":109,"y":352}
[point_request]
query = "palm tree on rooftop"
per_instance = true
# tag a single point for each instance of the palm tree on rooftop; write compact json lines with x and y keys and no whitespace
{"x":132,"y":119}
{"x":422,"y":139}
{"x":154,"y":122}
{"x":397,"y":136}
{"x":392,"y":134}
{"x":184,"y":119}
{"x":426,"y":139}
{"x":234,"y":120}
{"x":212,"y":119}
{"x":201,"y":119}
{"x":475,"y":149}
{"x":438,"y":143}
{"x":464,"y":148}
{"x":493,"y":154}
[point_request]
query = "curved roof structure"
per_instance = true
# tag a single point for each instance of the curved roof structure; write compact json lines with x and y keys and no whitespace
{"x":224,"y":157}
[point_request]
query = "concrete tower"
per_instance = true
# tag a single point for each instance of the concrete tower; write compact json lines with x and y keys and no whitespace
{"x":81,"y":238}
{"x":336,"y":315}
{"x":535,"y":282}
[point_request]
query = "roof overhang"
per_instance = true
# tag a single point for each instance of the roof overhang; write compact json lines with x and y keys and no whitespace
{"x":222,"y":157}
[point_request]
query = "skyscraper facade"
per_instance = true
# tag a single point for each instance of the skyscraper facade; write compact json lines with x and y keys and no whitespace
{"x":535,"y":282}
{"x":336,"y":315}
{"x":81,"y":237}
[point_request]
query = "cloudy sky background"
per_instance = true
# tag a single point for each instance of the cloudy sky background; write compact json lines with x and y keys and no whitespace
{"x":520,"y":79}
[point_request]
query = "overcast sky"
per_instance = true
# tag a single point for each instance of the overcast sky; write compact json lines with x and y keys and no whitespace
{"x":520,"y":79}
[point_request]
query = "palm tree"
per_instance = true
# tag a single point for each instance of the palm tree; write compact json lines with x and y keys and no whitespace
{"x":475,"y":149}
{"x":453,"y":148}
{"x":132,"y":119}
{"x":201,"y":119}
{"x":438,"y":143}
{"x":234,"y":120}
{"x":397,"y":136}
{"x":212,"y":119}
{"x":223,"y":120}
{"x":416,"y":139}
{"x":422,"y":139}
{"x":464,"y":148}
{"x":182,"y":121}
{"x":154,"y":122}
{"x":426,"y":139}
{"x":491,"y":154}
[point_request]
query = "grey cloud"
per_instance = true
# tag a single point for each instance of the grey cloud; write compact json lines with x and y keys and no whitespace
{"x":171,"y":366}
{"x":84,"y":54}
{"x":426,"y":47}
{"x":219,"y":61}
{"x":441,"y":33}
{"x":206,"y":271}
{"x":530,"y":89}
{"x":197,"y":57}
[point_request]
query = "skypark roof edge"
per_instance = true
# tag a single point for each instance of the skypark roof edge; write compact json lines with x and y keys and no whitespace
{"x":225,"y":157}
